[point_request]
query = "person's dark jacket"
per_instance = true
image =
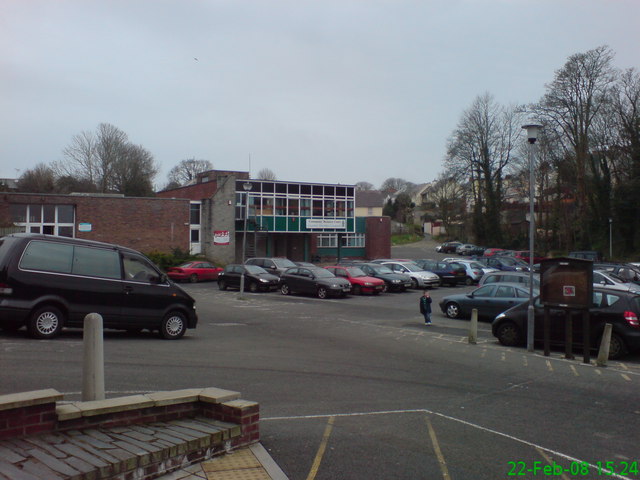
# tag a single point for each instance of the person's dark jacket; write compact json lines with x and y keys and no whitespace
{"x":425,"y":304}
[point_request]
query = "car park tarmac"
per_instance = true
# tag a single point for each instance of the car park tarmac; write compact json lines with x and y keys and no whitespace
{"x":358,"y":387}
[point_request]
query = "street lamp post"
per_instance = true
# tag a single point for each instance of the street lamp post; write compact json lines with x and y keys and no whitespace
{"x":247,"y":186}
{"x":533,"y":130}
{"x":610,"y":239}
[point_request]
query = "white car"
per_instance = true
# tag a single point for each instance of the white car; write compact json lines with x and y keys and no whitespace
{"x":419,"y":278}
{"x":475,"y":270}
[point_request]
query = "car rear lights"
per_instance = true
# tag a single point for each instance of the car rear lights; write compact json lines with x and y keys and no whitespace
{"x":5,"y":289}
{"x":632,"y":319}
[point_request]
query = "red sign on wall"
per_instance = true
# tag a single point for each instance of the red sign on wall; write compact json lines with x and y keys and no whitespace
{"x":221,"y":237}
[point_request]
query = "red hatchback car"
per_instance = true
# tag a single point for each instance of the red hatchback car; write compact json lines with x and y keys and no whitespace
{"x":194,"y":272}
{"x":360,"y":282}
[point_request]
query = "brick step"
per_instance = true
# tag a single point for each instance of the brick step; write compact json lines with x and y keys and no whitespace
{"x":143,"y":451}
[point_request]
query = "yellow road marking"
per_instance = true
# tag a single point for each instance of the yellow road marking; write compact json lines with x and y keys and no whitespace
{"x":438,"y":452}
{"x":573,"y":369}
{"x":549,"y":461}
{"x":549,"y":365}
{"x":323,"y":446}
{"x":626,"y":377}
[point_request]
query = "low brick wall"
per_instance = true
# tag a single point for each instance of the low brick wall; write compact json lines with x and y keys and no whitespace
{"x":40,"y":411}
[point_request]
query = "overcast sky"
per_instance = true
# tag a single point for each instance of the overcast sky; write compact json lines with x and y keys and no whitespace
{"x":335,"y":91}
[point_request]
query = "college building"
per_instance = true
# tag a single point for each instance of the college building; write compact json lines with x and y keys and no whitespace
{"x":222,"y":215}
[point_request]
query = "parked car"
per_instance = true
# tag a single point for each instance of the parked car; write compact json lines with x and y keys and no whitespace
{"x":196,"y":271}
{"x":473,"y":269}
{"x":489,"y":252}
{"x":48,"y":283}
{"x":613,"y":282}
{"x":275,"y":265}
{"x":450,"y":273}
{"x":503,"y":262}
{"x":395,"y":282}
{"x":255,"y":278}
{"x":490,"y":300}
{"x":420,"y":278}
{"x":477,"y":251}
{"x":314,"y":280}
{"x":628,"y":272}
{"x":449,"y":247}
{"x":510,"y":277}
{"x":620,"y":309}
{"x":465,"y":249}
{"x":305,"y":264}
{"x":586,"y":255}
{"x":360,"y":281}
{"x":523,"y":255}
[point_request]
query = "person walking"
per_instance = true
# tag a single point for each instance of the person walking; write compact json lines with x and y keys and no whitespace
{"x":425,"y":307}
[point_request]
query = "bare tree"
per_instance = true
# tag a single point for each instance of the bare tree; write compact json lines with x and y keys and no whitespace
{"x":93,"y":157}
{"x":480,"y":149}
{"x":364,"y":186}
{"x":395,"y":185}
{"x":133,"y":172}
{"x":266,"y":174}
{"x":40,"y":179}
{"x":448,"y":196}
{"x":575,"y":98}
{"x":187,"y":171}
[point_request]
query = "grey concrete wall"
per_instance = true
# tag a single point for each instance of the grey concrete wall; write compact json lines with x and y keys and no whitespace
{"x":219,"y":214}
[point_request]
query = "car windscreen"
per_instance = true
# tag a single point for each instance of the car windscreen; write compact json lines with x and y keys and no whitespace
{"x":322,"y":273}
{"x":256,"y":270}
{"x":381,"y":269}
{"x":283,"y":263}
{"x":356,"y":272}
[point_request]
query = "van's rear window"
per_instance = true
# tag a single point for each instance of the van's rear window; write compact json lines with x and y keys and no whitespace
{"x":48,"y":256}
{"x":77,"y":260}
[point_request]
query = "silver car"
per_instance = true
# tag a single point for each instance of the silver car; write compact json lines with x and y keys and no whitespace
{"x":419,"y":278}
{"x":613,"y":281}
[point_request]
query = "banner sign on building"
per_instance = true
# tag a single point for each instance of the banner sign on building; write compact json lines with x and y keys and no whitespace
{"x":326,"y":223}
{"x":221,"y":237}
{"x":84,"y":227}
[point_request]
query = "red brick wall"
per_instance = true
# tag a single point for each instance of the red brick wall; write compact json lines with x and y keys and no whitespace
{"x":145,"y":224}
{"x":18,"y":422}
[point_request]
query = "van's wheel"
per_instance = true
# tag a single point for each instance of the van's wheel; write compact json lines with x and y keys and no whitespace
{"x":173,"y":326}
{"x":46,"y":322}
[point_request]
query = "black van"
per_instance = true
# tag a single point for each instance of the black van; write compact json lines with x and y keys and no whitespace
{"x":48,"y":283}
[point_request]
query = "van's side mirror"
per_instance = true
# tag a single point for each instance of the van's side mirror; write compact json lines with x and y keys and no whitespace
{"x":163,"y":278}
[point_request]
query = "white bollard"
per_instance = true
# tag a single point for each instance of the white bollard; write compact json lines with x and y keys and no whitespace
{"x":605,"y":343}
{"x":93,"y":368}
{"x":473,"y":327}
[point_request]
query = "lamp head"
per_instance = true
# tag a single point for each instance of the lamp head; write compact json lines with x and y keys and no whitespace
{"x":533,"y":131}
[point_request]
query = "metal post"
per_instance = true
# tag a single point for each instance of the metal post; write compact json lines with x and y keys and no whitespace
{"x":93,"y":371}
{"x":610,"y":240}
{"x":532,"y":230}
{"x":247,"y":187}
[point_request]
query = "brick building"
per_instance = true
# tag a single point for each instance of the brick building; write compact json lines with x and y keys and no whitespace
{"x":300,"y":221}
{"x":145,"y":224}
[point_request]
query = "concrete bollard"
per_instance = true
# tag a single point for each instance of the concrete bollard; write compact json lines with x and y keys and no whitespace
{"x":93,"y":367}
{"x":603,"y":353}
{"x":473,"y":327}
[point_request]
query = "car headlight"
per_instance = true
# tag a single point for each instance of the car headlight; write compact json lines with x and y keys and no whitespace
{"x":500,"y":316}
{"x":264,"y":280}
{"x":397,"y":281}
